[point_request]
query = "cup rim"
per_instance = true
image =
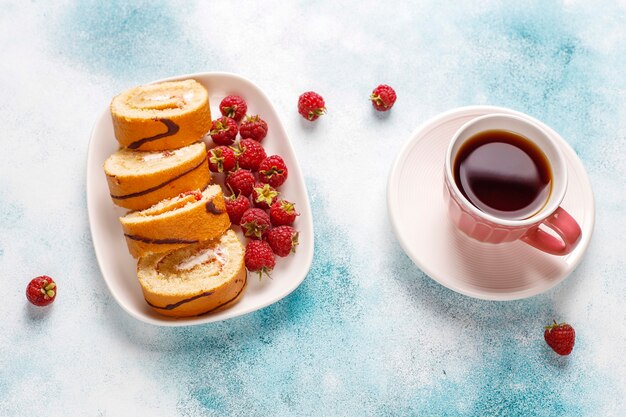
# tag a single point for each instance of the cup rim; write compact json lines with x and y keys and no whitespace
{"x":553,"y":202}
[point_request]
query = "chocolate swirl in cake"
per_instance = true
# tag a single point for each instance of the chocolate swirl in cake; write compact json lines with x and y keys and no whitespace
{"x":172,"y":129}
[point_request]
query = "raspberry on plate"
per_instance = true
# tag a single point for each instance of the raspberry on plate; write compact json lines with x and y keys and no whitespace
{"x":383,"y":97}
{"x":283,"y":240}
{"x":222,"y":159}
{"x":273,"y":171}
{"x":236,"y":206}
{"x":283,"y":213}
{"x":263,"y":195}
{"x":224,"y":131}
{"x":311,"y":105}
{"x":234,"y":107}
{"x":259,"y":257}
{"x":253,"y":127}
{"x":255,"y":223}
{"x":560,"y":337}
{"x":41,"y":291}
{"x":241,"y":182}
{"x":249,"y":154}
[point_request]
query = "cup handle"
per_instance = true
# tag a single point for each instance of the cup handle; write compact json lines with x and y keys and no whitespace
{"x":563,"y":225}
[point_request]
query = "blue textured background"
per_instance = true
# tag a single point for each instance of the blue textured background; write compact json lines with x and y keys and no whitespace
{"x":367,"y":333}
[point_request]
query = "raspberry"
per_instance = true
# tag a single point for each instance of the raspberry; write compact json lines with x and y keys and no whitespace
{"x":283,"y":213}
{"x":273,"y":171}
{"x":236,"y":206}
{"x":253,"y":127}
{"x":240,"y":182}
{"x":255,"y":223}
{"x":383,"y":97}
{"x":249,"y":154}
{"x":311,"y":105}
{"x":234,"y":107}
{"x":224,"y":131}
{"x":263,"y":195}
{"x":560,"y":337}
{"x":283,"y":240}
{"x":41,"y":291}
{"x":259,"y":257}
{"x":222,"y":159}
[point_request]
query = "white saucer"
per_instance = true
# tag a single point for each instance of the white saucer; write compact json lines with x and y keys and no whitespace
{"x":420,"y":221}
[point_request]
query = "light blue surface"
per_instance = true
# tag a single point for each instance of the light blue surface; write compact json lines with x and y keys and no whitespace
{"x":367,"y":333}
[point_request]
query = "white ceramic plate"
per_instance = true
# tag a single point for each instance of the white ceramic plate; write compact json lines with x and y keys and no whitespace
{"x":118,"y":267}
{"x":420,"y":221}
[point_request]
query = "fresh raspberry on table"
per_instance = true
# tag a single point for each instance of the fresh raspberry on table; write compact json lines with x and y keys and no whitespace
{"x":249,"y":154}
{"x":273,"y":171}
{"x":236,"y":206}
{"x":41,"y":291}
{"x":222,"y":159}
{"x":259,"y":257}
{"x":253,"y":127}
{"x":311,"y":105}
{"x":383,"y":97}
{"x":283,"y":240}
{"x":224,"y":131}
{"x":255,"y":223}
{"x":263,"y":195}
{"x":234,"y":107}
{"x":241,"y":182}
{"x":560,"y":337}
{"x":283,"y":213}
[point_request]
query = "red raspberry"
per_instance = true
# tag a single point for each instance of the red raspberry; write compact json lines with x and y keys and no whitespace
{"x":311,"y":105}
{"x":249,"y":154}
{"x":240,"y":182}
{"x":263,"y":195}
{"x":41,"y":291}
{"x":195,"y":193}
{"x":224,"y":131}
{"x":560,"y":337}
{"x":259,"y":257}
{"x":383,"y":97}
{"x":273,"y":171}
{"x":234,"y":107}
{"x":283,"y":240}
{"x":283,"y":213}
{"x":236,"y":206}
{"x":255,"y":223}
{"x":222,"y":159}
{"x":253,"y":127}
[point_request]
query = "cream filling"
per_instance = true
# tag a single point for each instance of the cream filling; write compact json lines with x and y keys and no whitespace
{"x":156,"y":156}
{"x":218,"y":255}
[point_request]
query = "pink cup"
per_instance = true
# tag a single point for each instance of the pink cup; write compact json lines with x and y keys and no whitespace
{"x":564,"y":232}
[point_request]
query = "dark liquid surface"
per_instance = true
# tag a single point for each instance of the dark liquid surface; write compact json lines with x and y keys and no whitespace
{"x":503,"y":174}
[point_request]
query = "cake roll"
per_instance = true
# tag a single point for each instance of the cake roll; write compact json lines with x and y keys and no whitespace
{"x":138,"y":180}
{"x":196,"y":279}
{"x":191,"y":217}
{"x":161,"y":116}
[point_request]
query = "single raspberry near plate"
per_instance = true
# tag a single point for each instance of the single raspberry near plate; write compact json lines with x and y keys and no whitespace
{"x":560,"y":337}
{"x":311,"y":105}
{"x":383,"y":97}
{"x":41,"y":291}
